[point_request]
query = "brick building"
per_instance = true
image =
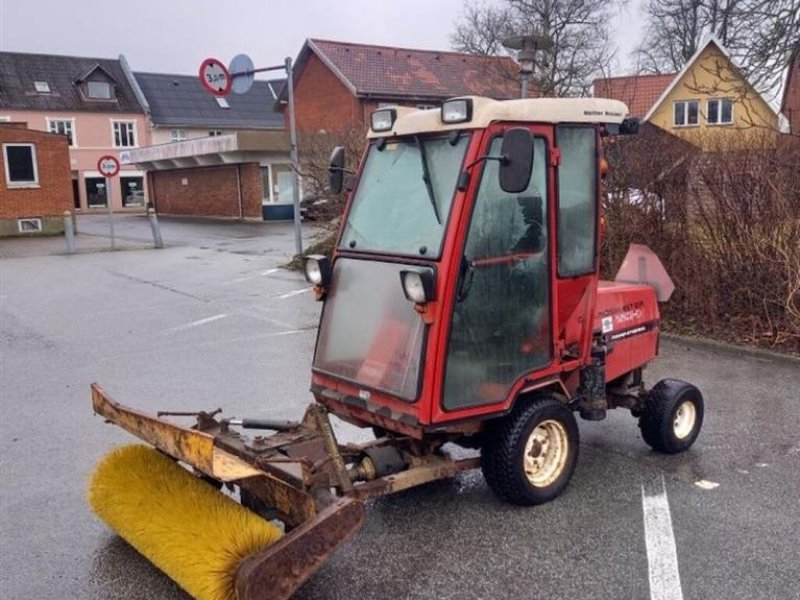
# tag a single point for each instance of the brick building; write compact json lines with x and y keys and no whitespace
{"x":37,"y":185}
{"x":339,"y":84}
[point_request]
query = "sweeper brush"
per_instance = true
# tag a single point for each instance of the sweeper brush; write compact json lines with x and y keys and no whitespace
{"x":184,"y":526}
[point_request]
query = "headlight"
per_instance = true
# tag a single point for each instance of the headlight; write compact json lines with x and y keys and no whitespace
{"x":383,"y":119}
{"x":418,"y":285}
{"x":318,"y":270}
{"x":457,"y":111}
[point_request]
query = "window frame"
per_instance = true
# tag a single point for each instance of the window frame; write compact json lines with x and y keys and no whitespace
{"x":596,"y":195}
{"x":719,"y":121}
{"x":178,"y":135}
{"x":134,"y":130}
{"x":425,"y":137}
{"x":685,"y":104}
{"x":21,"y":184}
{"x":73,"y":136}
{"x":551,"y":179}
{"x":42,"y":87}
{"x":109,"y":87}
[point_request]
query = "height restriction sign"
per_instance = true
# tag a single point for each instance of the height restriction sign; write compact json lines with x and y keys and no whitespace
{"x":215,"y":77}
{"x":108,"y":165}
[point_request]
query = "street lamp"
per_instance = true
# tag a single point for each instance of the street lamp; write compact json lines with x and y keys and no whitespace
{"x":527,"y":46}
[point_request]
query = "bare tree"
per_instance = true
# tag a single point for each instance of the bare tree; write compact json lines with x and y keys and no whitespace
{"x":759,"y":34}
{"x":582,"y":49}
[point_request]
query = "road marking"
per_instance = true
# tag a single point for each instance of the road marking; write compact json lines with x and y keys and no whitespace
{"x":706,"y":484}
{"x":294,"y":293}
{"x":662,"y":555}
{"x":197,"y":323}
{"x":270,"y":271}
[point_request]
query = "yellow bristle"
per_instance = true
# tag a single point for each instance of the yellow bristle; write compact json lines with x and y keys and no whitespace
{"x":185,"y":527}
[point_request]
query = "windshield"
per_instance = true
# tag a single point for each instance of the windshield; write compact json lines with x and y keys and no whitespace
{"x":369,"y":333}
{"x":404,"y":196}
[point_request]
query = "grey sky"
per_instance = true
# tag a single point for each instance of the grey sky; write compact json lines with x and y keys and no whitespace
{"x":175,"y":35}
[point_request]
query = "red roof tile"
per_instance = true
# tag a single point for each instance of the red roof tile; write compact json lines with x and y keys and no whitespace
{"x":639,"y":92}
{"x":387,"y":72}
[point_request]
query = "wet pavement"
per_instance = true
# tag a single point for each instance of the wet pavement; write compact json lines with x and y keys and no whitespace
{"x":212,"y":320}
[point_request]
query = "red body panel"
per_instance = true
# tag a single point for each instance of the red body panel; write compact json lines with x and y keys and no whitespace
{"x":628,"y":318}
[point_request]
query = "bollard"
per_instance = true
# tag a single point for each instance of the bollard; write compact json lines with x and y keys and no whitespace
{"x":154,"y":227}
{"x":69,"y":232}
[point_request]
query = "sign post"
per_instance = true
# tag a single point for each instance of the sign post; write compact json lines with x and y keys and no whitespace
{"x":218,"y":80}
{"x":108,"y":166}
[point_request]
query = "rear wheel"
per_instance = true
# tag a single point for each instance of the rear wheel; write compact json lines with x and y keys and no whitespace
{"x":672,"y":416}
{"x":529,"y":456}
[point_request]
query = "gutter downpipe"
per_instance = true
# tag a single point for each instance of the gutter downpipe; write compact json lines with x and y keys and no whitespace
{"x":239,"y":191}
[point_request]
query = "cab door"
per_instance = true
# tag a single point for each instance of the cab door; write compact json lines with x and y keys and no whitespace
{"x":501,"y":327}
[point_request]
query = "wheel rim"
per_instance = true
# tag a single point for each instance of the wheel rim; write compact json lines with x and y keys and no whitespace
{"x":685,"y":418}
{"x":546,"y":453}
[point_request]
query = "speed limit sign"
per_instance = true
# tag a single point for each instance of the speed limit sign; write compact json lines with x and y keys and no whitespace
{"x":215,"y":77}
{"x":108,"y":165}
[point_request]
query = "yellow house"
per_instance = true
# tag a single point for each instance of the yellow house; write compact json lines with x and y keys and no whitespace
{"x":710,"y":102}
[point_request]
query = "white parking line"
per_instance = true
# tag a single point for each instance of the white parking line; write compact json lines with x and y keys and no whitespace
{"x":197,"y":323}
{"x":294,"y":293}
{"x":662,"y":555}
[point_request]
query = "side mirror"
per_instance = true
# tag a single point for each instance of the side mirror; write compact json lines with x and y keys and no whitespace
{"x":517,"y":162}
{"x":336,"y":169}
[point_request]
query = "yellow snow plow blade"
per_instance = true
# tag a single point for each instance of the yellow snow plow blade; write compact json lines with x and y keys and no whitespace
{"x":211,"y":545}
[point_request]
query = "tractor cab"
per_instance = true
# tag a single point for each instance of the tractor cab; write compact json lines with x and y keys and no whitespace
{"x":466,"y":268}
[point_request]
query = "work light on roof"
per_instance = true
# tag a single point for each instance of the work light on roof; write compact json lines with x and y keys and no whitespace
{"x":457,"y":111}
{"x":383,"y":119}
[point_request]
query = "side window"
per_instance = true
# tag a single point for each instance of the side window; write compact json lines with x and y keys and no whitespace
{"x":577,"y":197}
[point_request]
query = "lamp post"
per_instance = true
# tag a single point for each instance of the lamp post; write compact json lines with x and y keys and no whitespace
{"x":527,"y":46}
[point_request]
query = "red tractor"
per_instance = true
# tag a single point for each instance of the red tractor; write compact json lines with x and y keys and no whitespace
{"x":462,"y":305}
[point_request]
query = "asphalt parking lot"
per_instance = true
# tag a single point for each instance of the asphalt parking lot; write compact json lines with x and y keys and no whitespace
{"x":212,"y":320}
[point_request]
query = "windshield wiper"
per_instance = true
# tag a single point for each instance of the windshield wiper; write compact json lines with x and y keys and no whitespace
{"x":426,"y":177}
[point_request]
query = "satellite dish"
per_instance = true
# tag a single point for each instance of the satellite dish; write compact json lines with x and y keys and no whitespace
{"x":241,"y":63}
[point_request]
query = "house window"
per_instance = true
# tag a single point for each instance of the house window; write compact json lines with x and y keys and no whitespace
{"x":98,"y":90}
{"x":178,"y":135}
{"x":132,"y":190}
{"x":686,"y":112}
{"x":62,"y":127}
{"x":20,"y":163}
{"x":221,"y":102}
{"x":215,"y":132}
{"x":124,"y":136}
{"x":5,"y":119}
{"x":720,"y":111}
{"x":42,"y":87}
{"x":96,"y":192}
{"x":29,"y":225}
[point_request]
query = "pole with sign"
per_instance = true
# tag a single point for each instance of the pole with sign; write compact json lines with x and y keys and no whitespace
{"x":218,"y":80}
{"x":108,"y":166}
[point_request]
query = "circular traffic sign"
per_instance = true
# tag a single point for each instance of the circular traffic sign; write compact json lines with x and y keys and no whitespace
{"x":108,"y":165}
{"x":215,"y":77}
{"x":241,"y":73}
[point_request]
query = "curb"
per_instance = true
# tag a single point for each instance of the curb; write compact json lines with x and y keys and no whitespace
{"x":732,"y":348}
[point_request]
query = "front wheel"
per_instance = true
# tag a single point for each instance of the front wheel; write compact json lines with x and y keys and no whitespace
{"x":671,"y":416}
{"x":528,"y":457}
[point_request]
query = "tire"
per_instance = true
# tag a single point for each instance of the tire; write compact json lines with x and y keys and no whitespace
{"x":671,"y":416}
{"x":506,"y":442}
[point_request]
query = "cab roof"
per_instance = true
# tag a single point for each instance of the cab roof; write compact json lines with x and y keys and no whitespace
{"x":486,"y":111}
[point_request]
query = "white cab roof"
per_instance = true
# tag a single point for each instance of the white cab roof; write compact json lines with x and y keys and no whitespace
{"x":485,"y":111}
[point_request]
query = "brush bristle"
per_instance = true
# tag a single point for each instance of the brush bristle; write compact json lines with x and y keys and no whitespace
{"x":189,"y":530}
